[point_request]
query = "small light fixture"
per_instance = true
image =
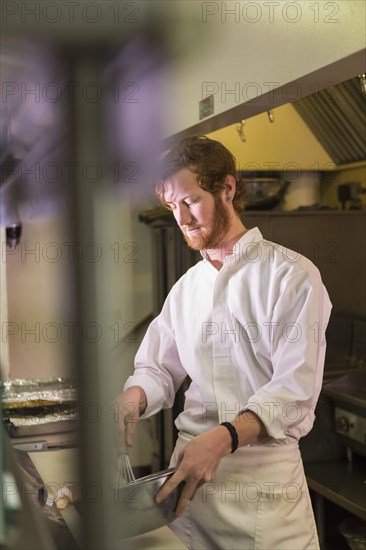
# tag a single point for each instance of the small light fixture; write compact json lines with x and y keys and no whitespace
{"x":240,"y":130}
{"x":362,"y":78}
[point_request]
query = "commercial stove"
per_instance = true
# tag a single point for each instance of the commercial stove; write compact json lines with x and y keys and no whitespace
{"x":348,"y":394}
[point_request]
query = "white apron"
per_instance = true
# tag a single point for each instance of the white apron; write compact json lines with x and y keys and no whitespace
{"x":258,"y":500}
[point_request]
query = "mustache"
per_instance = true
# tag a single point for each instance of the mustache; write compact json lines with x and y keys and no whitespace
{"x":188,"y":227}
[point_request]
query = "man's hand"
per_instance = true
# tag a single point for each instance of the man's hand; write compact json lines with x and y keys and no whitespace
{"x":198,"y":461}
{"x":128,"y":407}
{"x":197,"y":464}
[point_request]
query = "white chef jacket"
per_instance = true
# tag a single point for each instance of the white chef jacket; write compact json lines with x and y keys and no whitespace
{"x":250,"y":336}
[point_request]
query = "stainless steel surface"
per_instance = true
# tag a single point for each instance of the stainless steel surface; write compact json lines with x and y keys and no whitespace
{"x":354,"y":531}
{"x":349,"y":397}
{"x":337,"y":117}
{"x":349,"y":389}
{"x":341,"y":482}
{"x":350,"y":424}
{"x":36,"y":429}
{"x":138,"y":508}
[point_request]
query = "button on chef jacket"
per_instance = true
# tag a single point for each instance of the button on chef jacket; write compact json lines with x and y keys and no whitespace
{"x":250,"y":337}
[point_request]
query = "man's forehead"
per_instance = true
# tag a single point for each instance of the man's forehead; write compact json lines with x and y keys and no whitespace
{"x":183,"y":182}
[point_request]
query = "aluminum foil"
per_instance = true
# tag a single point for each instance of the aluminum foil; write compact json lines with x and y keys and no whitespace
{"x":21,"y":421}
{"x":42,"y":392}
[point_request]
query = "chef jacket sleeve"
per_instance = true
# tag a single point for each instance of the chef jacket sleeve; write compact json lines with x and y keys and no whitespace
{"x":287,"y":402}
{"x":158,"y":369}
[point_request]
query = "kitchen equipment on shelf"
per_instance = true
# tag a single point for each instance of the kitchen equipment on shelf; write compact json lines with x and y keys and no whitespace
{"x":351,"y":193}
{"x":263,"y":193}
{"x":139,"y":510}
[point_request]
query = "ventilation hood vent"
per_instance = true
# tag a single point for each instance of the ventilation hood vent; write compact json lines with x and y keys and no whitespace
{"x":337,"y":118}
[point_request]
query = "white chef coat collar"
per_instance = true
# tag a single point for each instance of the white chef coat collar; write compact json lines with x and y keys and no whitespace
{"x":251,"y":235}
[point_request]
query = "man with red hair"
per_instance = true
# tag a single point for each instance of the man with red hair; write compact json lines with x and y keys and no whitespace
{"x":240,"y":324}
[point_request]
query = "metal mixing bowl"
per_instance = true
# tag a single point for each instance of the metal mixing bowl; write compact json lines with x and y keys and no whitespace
{"x":139,"y":511}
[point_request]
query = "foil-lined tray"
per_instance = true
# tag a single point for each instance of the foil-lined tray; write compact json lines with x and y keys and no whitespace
{"x":20,"y":393}
{"x":39,"y":406}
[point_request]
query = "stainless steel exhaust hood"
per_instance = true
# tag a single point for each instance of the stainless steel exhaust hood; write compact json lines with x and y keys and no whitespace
{"x":337,"y":118}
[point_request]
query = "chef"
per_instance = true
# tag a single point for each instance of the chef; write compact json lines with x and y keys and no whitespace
{"x":246,"y":324}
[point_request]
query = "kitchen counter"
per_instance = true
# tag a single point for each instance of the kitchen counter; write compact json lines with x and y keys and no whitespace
{"x":57,"y":467}
{"x":341,"y":482}
{"x":160,"y":539}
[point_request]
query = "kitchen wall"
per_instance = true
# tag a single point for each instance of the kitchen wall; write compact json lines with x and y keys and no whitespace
{"x":40,"y":328}
{"x":241,"y":50}
{"x":288,"y":145}
{"x":41,"y":321}
{"x":41,"y":317}
{"x":285,"y":144}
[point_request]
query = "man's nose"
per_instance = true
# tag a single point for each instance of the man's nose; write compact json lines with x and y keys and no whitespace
{"x":182,"y":215}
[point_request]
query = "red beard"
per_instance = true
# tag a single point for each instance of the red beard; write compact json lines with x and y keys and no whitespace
{"x":216,"y":232}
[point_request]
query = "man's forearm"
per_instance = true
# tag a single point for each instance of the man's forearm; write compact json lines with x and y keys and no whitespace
{"x":250,"y":428}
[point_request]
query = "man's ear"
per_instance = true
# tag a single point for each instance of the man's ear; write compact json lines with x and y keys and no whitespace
{"x":230,"y":187}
